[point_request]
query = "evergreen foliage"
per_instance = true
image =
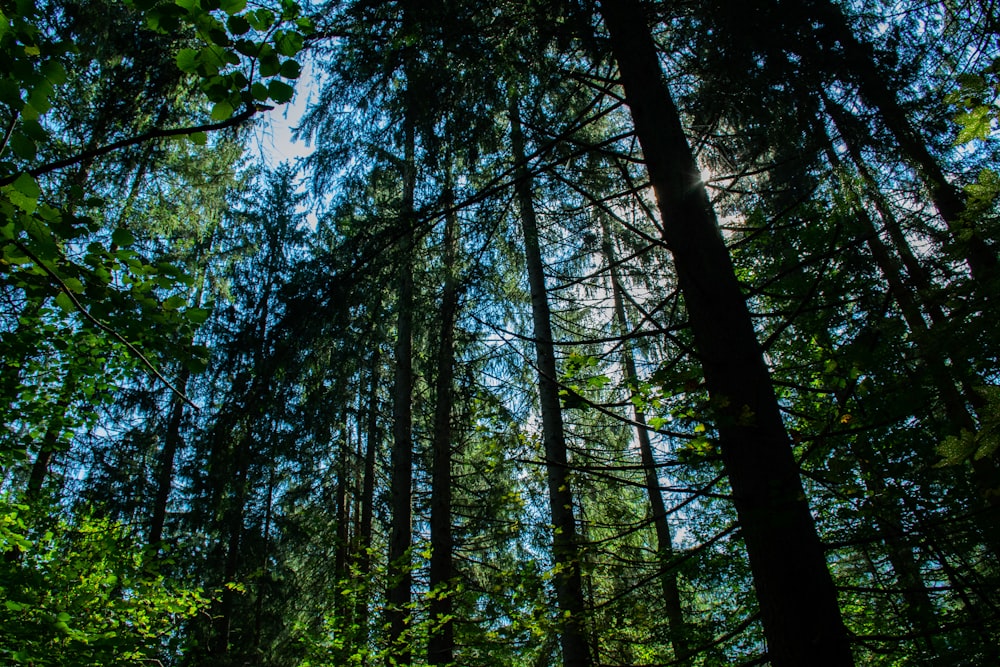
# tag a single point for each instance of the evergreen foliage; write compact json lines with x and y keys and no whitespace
{"x":605,"y":333}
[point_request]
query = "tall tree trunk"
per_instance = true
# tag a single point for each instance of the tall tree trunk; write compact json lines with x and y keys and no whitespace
{"x":934,"y":350}
{"x":664,"y":540}
{"x":400,"y":566}
{"x":798,"y":601}
{"x":860,"y":63}
{"x":165,"y":469}
{"x":361,"y":612}
{"x":919,"y":607}
{"x":923,"y":292}
{"x":265,"y":567}
{"x":918,"y":275}
{"x":172,"y":440}
{"x":565,"y":546}
{"x":342,"y":510}
{"x":233,"y":527}
{"x":50,"y":441}
{"x":441,"y":643}
{"x":242,"y":455}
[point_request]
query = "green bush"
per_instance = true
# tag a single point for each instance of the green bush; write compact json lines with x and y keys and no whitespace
{"x":82,"y":592}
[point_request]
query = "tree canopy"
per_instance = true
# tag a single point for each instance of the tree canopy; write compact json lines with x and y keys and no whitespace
{"x":616,"y":332}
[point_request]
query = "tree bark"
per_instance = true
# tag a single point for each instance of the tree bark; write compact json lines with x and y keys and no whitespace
{"x":953,"y":380}
{"x":860,"y":64}
{"x":565,"y":546}
{"x":342,"y":511}
{"x":50,"y":442}
{"x":165,"y":471}
{"x":400,"y":565}
{"x":798,"y":602}
{"x":664,"y":541}
{"x":233,"y":527}
{"x":372,"y":441}
{"x":441,"y":643}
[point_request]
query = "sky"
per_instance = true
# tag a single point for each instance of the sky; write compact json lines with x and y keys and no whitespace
{"x":274,"y":136}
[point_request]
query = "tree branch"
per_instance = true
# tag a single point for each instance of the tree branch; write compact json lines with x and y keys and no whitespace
{"x":155,"y":133}
{"x":101,"y":325}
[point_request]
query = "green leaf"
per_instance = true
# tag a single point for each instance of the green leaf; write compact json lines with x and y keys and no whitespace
{"x":10,"y":93}
{"x":211,"y":59}
{"x":27,"y":186}
{"x":219,"y":37}
{"x":54,"y":71}
{"x":269,"y":63}
{"x":23,"y":193}
{"x":288,"y":43}
{"x":280,"y":92}
{"x":174,"y":302}
{"x":222,"y":110}
{"x":196,"y":315}
{"x":247,"y":47}
{"x":198,"y":138}
{"x":233,"y":6}
{"x":196,"y":364}
{"x":23,"y":146}
{"x":39,"y":96}
{"x":238,"y":25}
{"x":260,"y":19}
{"x":64,"y":302}
{"x":598,"y":381}
{"x":122,"y":237}
{"x":259,"y":91}
{"x":956,"y":449}
{"x":187,"y":60}
{"x":975,"y":124}
{"x":290,"y":69}
{"x":972,"y":83}
{"x":31,"y":126}
{"x":165,"y":18}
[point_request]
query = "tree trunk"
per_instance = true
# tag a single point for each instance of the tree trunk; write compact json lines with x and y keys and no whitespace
{"x":361,"y":612}
{"x":400,"y":566}
{"x":265,"y":568}
{"x":233,"y":527}
{"x":342,"y":510}
{"x":918,"y":275}
{"x":565,"y":546}
{"x":664,"y":540}
{"x":798,"y":601}
{"x":934,"y":350}
{"x":859,"y":61}
{"x":919,"y":607}
{"x":50,"y":442}
{"x":441,"y":643}
{"x":165,"y":471}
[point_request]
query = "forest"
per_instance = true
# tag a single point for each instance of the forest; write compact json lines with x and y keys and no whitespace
{"x":583,"y":333}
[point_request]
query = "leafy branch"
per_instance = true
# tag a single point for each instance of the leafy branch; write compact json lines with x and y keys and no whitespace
{"x":155,"y":133}
{"x":64,"y":289}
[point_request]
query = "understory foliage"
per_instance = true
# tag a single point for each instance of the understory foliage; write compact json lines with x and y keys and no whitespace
{"x":457,"y":387}
{"x":83,"y":593}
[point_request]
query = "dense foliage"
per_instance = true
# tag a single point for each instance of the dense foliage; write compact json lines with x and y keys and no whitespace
{"x":612,"y":332}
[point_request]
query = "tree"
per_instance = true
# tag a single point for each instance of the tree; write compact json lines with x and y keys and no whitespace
{"x":608,"y":333}
{"x":794,"y":588}
{"x":565,"y":549}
